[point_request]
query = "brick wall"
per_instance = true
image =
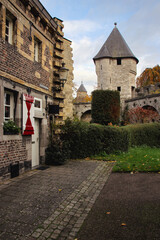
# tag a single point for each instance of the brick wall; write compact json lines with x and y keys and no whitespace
{"x":11,"y":152}
{"x":12,"y":62}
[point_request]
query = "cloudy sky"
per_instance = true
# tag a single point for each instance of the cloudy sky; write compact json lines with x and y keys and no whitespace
{"x":88,"y":23}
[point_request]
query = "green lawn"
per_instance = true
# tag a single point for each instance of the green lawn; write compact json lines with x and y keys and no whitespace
{"x":137,"y":159}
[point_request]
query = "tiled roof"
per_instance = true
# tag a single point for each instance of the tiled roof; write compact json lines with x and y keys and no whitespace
{"x":115,"y":47}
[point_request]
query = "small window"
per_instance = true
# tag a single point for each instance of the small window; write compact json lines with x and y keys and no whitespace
{"x":9,"y":30}
{"x":119,"y":62}
{"x":38,"y":104}
{"x":37,"y":50}
{"x":109,"y":61}
{"x":119,"y":89}
{"x":8,"y":106}
{"x":101,"y":67}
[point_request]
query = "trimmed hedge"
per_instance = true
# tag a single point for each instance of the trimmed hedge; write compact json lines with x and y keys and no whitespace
{"x":105,"y":107}
{"x":84,"y":139}
{"x":144,"y":134}
{"x":80,"y":139}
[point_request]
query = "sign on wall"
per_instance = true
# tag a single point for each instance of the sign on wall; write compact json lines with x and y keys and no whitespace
{"x":28,"y":113}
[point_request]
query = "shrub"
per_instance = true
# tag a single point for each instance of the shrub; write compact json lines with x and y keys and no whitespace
{"x":144,"y":134}
{"x":84,"y":139}
{"x":105,"y":107}
{"x":142,"y":115}
{"x":57,"y":152}
{"x":10,"y":128}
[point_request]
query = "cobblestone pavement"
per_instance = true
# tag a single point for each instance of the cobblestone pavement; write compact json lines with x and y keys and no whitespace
{"x":51,"y":204}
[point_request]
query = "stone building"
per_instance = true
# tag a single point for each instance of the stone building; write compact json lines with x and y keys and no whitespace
{"x":82,"y":104}
{"x":32,"y":52}
{"x":116,"y":66}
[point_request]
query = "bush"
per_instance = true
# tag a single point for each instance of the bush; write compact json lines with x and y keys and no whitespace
{"x":57,"y":152}
{"x":144,"y":134}
{"x":84,"y":139}
{"x":10,"y":128}
{"x":105,"y":107}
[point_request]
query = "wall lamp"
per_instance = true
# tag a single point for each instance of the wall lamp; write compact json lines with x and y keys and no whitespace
{"x":63,"y":74}
{"x":28,"y":90}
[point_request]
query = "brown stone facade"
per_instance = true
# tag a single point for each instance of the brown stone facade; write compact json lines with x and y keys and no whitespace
{"x":15,"y":64}
{"x":68,"y":88}
{"x":31,"y":55}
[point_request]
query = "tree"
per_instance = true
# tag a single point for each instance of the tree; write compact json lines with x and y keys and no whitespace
{"x":149,"y":76}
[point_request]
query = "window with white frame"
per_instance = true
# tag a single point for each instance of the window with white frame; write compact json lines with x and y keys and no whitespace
{"x":8,"y":106}
{"x":38,"y":104}
{"x":9,"y":30}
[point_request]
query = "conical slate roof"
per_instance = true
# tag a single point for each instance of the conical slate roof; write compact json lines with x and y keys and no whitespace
{"x":81,"y":88}
{"x":115,"y":47}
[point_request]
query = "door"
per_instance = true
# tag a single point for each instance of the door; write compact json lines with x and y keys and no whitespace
{"x":35,"y":144}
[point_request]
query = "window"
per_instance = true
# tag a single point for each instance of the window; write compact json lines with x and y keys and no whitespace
{"x":119,"y":62}
{"x":119,"y":89}
{"x":8,"y":106}
{"x":132,"y":91}
{"x":9,"y":30}
{"x":37,"y":50}
{"x":38,"y":104}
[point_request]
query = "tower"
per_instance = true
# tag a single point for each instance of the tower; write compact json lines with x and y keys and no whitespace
{"x":116,"y":66}
{"x":81,"y":92}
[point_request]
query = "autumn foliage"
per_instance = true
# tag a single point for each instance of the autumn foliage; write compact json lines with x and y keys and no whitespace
{"x":149,"y":76}
{"x":141,"y":115}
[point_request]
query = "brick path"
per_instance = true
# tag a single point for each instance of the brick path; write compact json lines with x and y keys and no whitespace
{"x":51,"y":204}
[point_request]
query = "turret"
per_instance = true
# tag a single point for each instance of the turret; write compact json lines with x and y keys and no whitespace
{"x":116,"y":66}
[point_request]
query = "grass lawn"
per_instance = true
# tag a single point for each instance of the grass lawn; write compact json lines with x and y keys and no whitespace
{"x":137,"y":159}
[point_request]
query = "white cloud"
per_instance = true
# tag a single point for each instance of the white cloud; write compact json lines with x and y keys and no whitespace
{"x":75,"y":29}
{"x":87,"y":76}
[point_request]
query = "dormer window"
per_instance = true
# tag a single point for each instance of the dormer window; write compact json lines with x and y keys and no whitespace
{"x":119,"y":62}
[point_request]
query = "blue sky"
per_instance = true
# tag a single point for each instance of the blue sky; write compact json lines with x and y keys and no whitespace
{"x":88,"y":23}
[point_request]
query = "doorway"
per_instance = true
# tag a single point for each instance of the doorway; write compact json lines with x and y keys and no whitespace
{"x":35,"y":144}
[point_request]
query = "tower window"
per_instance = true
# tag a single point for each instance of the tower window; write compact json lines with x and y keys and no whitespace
{"x":101,"y":67}
{"x":119,"y":62}
{"x":119,"y":89}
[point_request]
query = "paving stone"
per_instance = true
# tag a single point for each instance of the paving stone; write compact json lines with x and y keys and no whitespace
{"x":61,"y":216}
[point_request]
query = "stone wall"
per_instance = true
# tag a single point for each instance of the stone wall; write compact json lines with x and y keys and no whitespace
{"x":68,"y":87}
{"x":117,"y":77}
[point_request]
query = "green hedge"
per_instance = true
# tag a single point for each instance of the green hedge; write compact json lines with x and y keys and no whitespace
{"x":144,"y":134}
{"x":105,"y":107}
{"x":84,"y":139}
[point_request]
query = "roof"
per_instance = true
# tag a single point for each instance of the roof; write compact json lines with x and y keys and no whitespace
{"x":115,"y":47}
{"x":81,"y":88}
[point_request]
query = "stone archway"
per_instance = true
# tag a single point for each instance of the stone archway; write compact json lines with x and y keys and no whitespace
{"x":86,"y":116}
{"x":149,"y":107}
